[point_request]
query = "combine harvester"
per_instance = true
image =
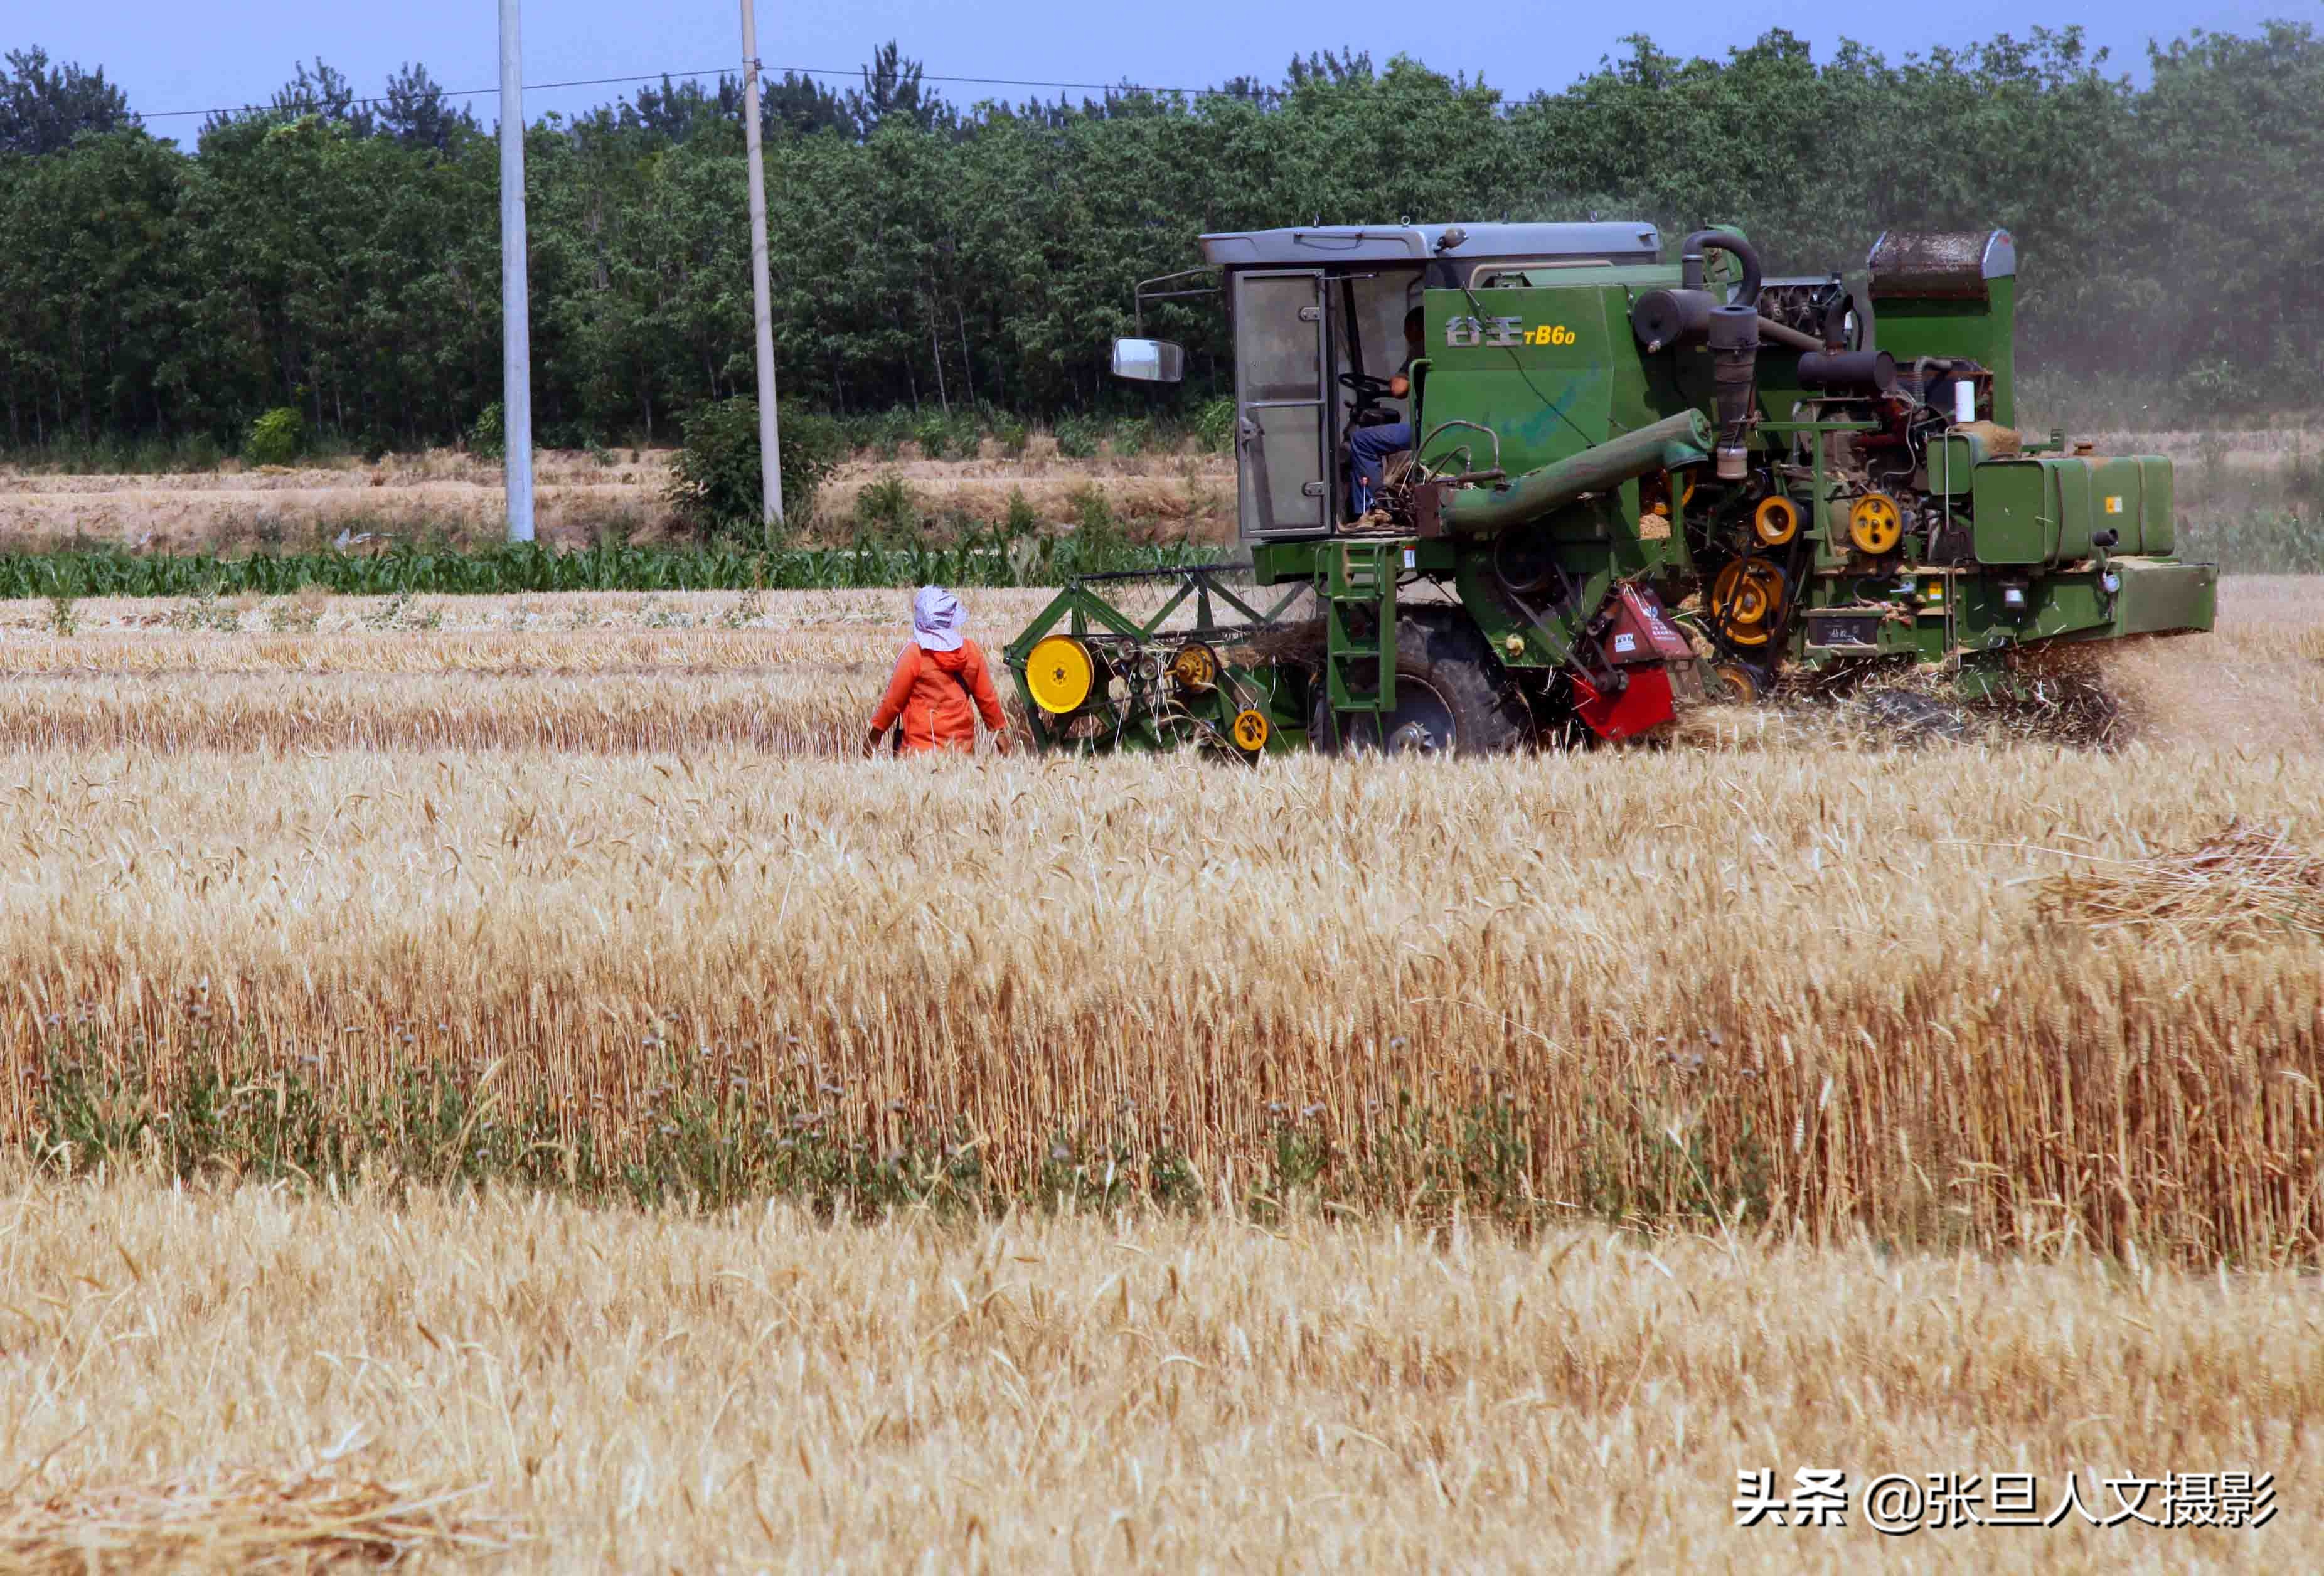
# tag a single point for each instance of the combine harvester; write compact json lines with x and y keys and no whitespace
{"x":1633,"y":481}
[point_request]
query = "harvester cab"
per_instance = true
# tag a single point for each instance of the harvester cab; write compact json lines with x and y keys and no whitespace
{"x":1501,"y":482}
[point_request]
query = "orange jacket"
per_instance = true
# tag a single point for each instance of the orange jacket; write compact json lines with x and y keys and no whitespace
{"x":930,"y":692}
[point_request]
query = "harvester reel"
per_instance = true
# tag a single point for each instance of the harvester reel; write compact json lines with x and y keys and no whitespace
{"x":1876,"y":524}
{"x":1747,"y":601}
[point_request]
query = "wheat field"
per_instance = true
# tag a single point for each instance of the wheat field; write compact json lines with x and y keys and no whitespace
{"x":1438,"y":1163}
{"x":532,"y":1384}
{"x":619,"y":879}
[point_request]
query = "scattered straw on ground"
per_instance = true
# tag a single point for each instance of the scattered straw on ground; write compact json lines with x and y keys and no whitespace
{"x":2241,"y":882}
{"x":232,"y":1520}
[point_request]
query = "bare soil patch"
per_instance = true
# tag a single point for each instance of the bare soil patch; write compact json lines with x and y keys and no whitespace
{"x":579,"y":497}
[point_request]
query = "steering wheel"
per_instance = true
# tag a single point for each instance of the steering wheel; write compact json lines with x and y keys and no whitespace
{"x":1367,"y":411}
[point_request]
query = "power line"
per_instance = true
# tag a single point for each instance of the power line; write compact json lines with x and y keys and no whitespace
{"x":715,"y":71}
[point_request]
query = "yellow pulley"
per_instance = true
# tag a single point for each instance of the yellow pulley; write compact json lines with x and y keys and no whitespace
{"x":1060,"y":673}
{"x":1249,"y":731}
{"x":1874,"y":523}
{"x":1776,"y":521}
{"x":1747,"y":601}
{"x":1735,"y":684}
{"x":1195,"y":667}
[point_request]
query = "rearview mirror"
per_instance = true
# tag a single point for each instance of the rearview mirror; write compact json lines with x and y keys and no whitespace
{"x":1149,"y":361}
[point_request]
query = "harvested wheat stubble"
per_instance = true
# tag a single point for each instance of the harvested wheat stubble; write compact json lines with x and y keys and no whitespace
{"x":609,"y":653}
{"x":798,"y":671}
{"x":2257,"y":684}
{"x":2241,"y":882}
{"x":225,"y":1520}
{"x":818,"y":617}
{"x":749,"y":1390}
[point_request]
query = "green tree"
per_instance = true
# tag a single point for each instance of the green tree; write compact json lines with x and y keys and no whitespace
{"x":324,"y":92}
{"x":43,"y":108}
{"x":343,"y":258}
{"x":418,"y":116}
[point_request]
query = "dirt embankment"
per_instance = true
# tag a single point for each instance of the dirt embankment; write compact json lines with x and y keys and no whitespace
{"x":451,"y":493}
{"x":583,"y":496}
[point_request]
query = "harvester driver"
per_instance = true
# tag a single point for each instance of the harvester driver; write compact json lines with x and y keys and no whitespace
{"x":940,"y":684}
{"x":1369,"y":448}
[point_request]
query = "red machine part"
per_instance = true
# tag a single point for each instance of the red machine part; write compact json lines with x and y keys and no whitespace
{"x":1639,"y":632}
{"x":1629,"y":691}
{"x":1642,"y":702}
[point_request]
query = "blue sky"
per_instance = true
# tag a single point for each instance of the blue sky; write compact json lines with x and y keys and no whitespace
{"x":171,"y":54}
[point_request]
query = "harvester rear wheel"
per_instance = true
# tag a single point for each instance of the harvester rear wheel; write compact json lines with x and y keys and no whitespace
{"x":1452,"y":696}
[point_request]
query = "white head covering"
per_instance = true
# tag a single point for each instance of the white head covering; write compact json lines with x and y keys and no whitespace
{"x":938,"y":619}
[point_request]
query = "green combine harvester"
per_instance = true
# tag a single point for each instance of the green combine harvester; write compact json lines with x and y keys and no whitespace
{"x":1629,"y":485}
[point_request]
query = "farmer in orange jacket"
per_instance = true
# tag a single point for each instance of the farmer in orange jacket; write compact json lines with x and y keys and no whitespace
{"x":938,"y":676}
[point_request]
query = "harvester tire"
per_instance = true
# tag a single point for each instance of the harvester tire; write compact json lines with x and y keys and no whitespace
{"x":1447,"y":680}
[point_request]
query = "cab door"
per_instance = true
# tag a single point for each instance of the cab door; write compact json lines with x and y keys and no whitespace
{"x":1282,"y":405}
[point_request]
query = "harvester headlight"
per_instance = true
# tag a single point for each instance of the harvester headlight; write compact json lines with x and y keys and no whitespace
{"x":2013,"y":597}
{"x":1060,"y":673}
{"x":2109,"y":582}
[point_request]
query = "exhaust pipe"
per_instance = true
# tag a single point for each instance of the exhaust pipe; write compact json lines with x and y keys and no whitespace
{"x":1690,"y":271}
{"x":1734,"y":340}
{"x":1690,"y":314}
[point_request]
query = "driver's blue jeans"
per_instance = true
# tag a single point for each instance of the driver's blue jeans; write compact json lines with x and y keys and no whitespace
{"x":1368,"y":452}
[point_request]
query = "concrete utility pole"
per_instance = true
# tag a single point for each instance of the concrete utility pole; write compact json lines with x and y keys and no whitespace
{"x":770,"y":470}
{"x":516,"y":310}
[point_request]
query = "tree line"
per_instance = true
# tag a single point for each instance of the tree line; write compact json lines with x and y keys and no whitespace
{"x":340,"y":254}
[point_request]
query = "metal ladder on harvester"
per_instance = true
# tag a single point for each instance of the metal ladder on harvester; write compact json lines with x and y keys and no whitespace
{"x":1359,"y":597}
